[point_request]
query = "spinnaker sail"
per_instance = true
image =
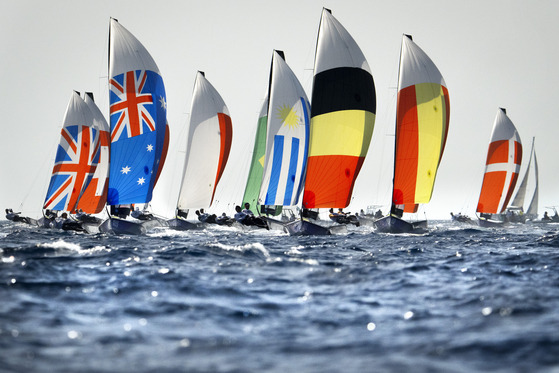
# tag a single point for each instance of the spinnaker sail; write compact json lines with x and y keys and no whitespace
{"x":256,"y":170}
{"x":138,"y":108}
{"x":209,"y":142}
{"x":343,"y":109}
{"x":287,"y":137}
{"x":422,"y":121}
{"x":76,"y":157}
{"x":504,"y":157}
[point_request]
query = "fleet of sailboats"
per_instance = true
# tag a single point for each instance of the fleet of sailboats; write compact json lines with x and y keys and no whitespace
{"x":306,"y":153}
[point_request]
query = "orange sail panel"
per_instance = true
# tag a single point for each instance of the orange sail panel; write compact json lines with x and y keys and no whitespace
{"x":226,"y":132}
{"x":502,"y":166}
{"x":342,"y":117}
{"x":163,"y":153}
{"x":94,"y":197}
{"x":422,"y":121}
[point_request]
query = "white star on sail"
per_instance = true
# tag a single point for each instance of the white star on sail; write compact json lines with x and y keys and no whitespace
{"x":163,"y":103}
{"x":125,"y":170}
{"x":141,"y":181}
{"x":150,"y":148}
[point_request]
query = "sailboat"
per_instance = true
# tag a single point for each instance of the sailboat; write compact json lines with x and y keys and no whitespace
{"x":287,"y":139}
{"x":515,"y":211}
{"x":422,"y":120}
{"x":139,"y":130}
{"x":256,"y":170}
{"x":343,"y":111}
{"x":94,"y":197}
{"x":504,"y":157}
{"x":209,"y":142}
{"x":75,"y":163}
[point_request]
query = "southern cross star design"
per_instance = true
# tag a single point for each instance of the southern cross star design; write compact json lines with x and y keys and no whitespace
{"x":150,"y":148}
{"x":163,"y":103}
{"x":125,"y":170}
{"x":141,"y":181}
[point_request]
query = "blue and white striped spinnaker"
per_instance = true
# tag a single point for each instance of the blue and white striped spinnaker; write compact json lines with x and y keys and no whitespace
{"x":287,"y":137}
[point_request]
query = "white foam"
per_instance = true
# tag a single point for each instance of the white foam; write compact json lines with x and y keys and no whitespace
{"x":61,"y":244}
{"x":257,"y":246}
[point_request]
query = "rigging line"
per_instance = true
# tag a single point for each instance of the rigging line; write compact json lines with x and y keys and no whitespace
{"x":38,"y":174}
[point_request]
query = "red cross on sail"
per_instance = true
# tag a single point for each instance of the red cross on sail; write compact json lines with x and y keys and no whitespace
{"x":134,"y":117}
{"x":75,"y":160}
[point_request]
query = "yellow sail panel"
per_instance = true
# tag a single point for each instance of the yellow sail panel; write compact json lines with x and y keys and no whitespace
{"x":421,"y":129}
{"x":432,"y":122}
{"x":351,"y":130}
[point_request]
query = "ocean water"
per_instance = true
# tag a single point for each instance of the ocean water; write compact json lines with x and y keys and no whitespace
{"x":456,"y":299}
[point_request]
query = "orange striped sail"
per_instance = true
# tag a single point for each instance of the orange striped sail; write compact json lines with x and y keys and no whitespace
{"x":422,"y":120}
{"x":502,"y":166}
{"x":342,"y":117}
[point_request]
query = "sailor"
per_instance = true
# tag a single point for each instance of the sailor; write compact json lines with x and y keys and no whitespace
{"x":204,"y":217}
{"x":141,"y":215}
{"x":339,"y":217}
{"x":50,"y":215}
{"x":223,"y":219}
{"x":136,"y":213}
{"x":247,"y":209}
{"x":210,"y":218}
{"x":378,"y":214}
{"x":80,"y":214}
{"x":240,"y":216}
{"x":546,"y":217}
{"x":246,"y":217}
{"x":59,"y":221}
{"x":14,"y":216}
{"x":11,"y":215}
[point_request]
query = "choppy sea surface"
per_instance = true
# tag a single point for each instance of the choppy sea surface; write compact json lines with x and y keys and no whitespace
{"x":456,"y":299}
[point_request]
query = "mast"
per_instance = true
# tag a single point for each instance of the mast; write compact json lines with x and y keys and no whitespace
{"x":393,"y":209}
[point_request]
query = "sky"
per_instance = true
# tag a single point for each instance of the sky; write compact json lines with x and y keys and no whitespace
{"x":491,"y":54}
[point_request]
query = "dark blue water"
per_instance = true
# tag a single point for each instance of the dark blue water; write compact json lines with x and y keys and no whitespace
{"x":456,"y":299}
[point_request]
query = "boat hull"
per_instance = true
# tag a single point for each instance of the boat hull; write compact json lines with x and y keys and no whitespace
{"x":366,"y":221}
{"x":155,"y":222}
{"x":121,"y":226}
{"x":489,"y":223}
{"x":392,"y":224}
{"x":274,"y":224}
{"x":181,"y":224}
{"x":306,"y":228}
